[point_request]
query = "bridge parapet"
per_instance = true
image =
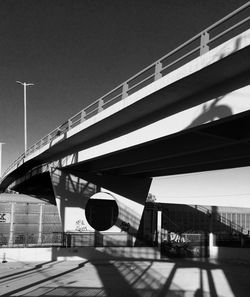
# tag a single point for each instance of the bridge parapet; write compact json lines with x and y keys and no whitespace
{"x":221,"y":31}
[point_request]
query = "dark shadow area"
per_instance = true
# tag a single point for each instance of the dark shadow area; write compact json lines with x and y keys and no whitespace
{"x":133,"y":188}
{"x":39,"y":186}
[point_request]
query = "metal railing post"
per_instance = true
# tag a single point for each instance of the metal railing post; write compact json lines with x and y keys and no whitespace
{"x":69,"y":125}
{"x":125,"y":90}
{"x":83,"y":115}
{"x":204,"y":48}
{"x":158,"y":69}
{"x":100,"y":105}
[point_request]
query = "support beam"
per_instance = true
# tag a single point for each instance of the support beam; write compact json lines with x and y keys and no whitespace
{"x":135,"y":189}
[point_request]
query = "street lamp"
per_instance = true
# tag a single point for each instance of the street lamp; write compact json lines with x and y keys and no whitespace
{"x":24,"y":84}
{"x":1,"y":147}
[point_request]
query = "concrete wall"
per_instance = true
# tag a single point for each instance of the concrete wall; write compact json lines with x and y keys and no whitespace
{"x":108,"y":253}
{"x":77,"y":253}
{"x":227,"y":253}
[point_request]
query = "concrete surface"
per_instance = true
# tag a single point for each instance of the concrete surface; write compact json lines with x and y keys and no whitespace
{"x":173,"y":278}
{"x":46,"y":254}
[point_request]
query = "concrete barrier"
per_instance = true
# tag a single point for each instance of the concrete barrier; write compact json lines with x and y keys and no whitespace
{"x":77,"y":253}
{"x":229,"y":253}
{"x":107,"y":253}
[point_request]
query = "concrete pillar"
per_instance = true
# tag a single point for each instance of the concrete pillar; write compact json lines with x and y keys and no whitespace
{"x":159,"y":220}
{"x":212,"y":239}
{"x":212,"y":236}
{"x":71,"y":195}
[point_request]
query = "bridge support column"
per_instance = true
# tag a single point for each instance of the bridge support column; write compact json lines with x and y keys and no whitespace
{"x":73,"y":188}
{"x":71,"y":195}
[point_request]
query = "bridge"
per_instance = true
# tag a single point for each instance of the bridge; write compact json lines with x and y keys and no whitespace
{"x":186,"y":112}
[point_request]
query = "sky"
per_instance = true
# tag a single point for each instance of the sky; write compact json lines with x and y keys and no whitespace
{"x":75,"y":51}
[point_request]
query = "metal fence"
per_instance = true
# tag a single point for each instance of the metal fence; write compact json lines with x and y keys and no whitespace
{"x":219,"y":217}
{"x":31,"y":240}
{"x":221,"y":31}
{"x":112,"y":239}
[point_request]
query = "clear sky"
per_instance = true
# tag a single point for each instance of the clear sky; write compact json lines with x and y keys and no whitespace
{"x":75,"y":51}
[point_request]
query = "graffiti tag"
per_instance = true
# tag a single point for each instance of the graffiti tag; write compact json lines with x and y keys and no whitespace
{"x":4,"y":218}
{"x":125,"y":226}
{"x":80,"y":226}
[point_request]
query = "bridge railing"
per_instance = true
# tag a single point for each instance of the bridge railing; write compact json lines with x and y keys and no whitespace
{"x":220,"y":218}
{"x":226,"y":28}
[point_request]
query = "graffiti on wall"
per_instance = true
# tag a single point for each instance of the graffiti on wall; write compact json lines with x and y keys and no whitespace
{"x":125,"y":226}
{"x":174,"y":244}
{"x":4,"y":217}
{"x":80,"y":226}
{"x":177,"y":239}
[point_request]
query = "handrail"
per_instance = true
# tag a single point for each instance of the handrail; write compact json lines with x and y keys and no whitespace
{"x":222,"y":219}
{"x":128,"y":87}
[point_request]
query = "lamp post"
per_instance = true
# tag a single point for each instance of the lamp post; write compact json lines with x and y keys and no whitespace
{"x":24,"y":84}
{"x":1,"y":147}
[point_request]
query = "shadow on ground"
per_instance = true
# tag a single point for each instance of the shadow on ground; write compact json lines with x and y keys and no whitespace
{"x":118,"y":278}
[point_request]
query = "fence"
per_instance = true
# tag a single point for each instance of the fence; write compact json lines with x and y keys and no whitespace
{"x":218,"y":217}
{"x":221,"y":31}
{"x":112,"y":239}
{"x":31,"y":240}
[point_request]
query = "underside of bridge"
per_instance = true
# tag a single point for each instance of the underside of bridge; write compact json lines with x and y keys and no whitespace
{"x":222,"y":144}
{"x":218,"y":145}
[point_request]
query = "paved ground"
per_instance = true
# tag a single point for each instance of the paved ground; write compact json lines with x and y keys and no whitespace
{"x":184,"y":278}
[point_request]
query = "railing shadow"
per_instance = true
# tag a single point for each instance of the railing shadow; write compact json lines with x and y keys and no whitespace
{"x":212,"y":112}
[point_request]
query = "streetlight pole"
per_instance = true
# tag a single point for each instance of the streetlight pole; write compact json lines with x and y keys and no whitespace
{"x":1,"y":148}
{"x":24,"y":84}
